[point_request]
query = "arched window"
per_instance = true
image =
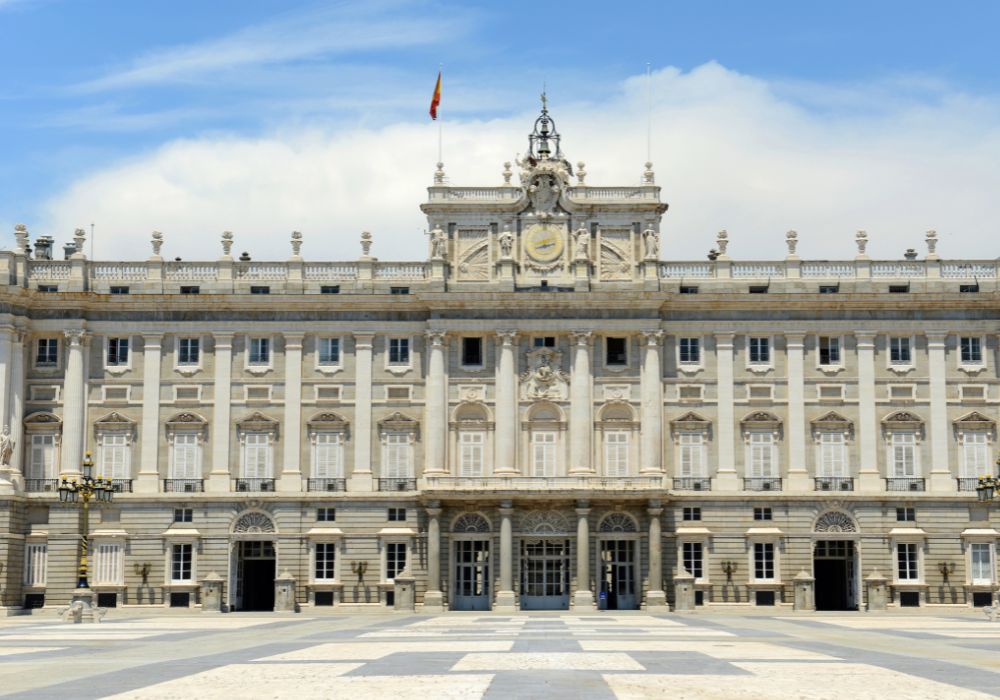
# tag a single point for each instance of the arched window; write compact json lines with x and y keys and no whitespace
{"x":544,"y":426}
{"x":617,"y":430}
{"x":471,"y":429}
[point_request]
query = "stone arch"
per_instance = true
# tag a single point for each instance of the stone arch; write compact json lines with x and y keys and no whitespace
{"x":618,"y":522}
{"x":471,"y":412}
{"x":545,"y":412}
{"x":617,"y":411}
{"x":544,"y":522}
{"x":253,"y":522}
{"x":835,"y":522}
{"x":469,"y":523}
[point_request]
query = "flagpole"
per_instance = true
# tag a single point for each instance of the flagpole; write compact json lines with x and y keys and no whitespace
{"x":649,"y":114}
{"x":439,"y":121}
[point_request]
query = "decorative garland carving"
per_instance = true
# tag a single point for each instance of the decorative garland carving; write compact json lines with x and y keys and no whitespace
{"x":835,"y":521}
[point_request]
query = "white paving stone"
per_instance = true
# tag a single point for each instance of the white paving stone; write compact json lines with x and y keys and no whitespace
{"x":542,"y":661}
{"x":13,"y":651}
{"x":718,"y":650}
{"x":350,"y":651}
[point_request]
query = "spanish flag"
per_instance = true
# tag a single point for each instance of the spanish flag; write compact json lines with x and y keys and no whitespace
{"x":436,"y":98}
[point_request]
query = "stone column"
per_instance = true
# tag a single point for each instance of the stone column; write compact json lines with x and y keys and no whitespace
{"x":290,"y":478}
{"x":436,"y":405}
{"x":16,"y":413}
{"x":726,"y":478}
{"x":433,"y":597}
{"x":506,"y":601}
{"x":219,"y":478}
{"x":656,"y":597}
{"x":147,"y":479}
{"x":583,"y":599}
{"x":581,"y":404}
{"x":8,"y":349}
{"x":651,"y":388}
{"x":867,"y":422}
{"x":941,"y":478}
{"x":505,"y":463}
{"x":74,"y":404}
{"x":798,"y":477}
{"x":361,"y":475}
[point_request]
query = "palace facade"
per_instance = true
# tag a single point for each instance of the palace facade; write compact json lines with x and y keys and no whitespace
{"x":541,"y":415}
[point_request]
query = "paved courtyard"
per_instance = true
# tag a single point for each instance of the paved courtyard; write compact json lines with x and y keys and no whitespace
{"x":475,"y":655}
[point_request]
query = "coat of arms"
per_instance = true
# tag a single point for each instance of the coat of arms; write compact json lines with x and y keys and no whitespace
{"x":544,"y":379}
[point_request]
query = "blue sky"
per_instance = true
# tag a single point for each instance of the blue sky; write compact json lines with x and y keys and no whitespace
{"x":135,"y":115}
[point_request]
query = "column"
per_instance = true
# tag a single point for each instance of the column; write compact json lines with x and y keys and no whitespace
{"x":505,"y":462}
{"x":73,"y":404}
{"x":942,"y":480}
{"x":219,"y":478}
{"x":291,"y":471}
{"x":8,"y":347}
{"x":583,"y":598}
{"x":16,"y":412}
{"x":506,"y":602}
{"x":581,"y":405}
{"x":651,"y":388}
{"x":726,"y":478}
{"x":435,"y":405}
{"x":433,"y":597}
{"x":867,"y":423}
{"x":147,"y":480}
{"x":656,"y":598}
{"x":798,"y":476}
{"x":361,"y":475}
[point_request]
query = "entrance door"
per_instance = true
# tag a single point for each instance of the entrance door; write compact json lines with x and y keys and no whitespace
{"x":472,"y":575}
{"x":255,"y":576}
{"x":545,"y":574}
{"x":618,"y":574}
{"x":833,"y":568}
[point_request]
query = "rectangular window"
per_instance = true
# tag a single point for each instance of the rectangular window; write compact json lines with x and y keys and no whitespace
{"x":687,"y":289}
{"x":260,"y":351}
{"x":36,"y":559}
{"x":829,"y":289}
{"x":899,"y":289}
{"x":904,"y":454}
{"x":119,"y":290}
{"x":254,"y":289}
{"x":758,"y":289}
{"x":326,"y":558}
{"x":899,"y":351}
{"x":328,"y":461}
{"x":472,"y":352}
{"x":906,"y":561}
{"x":117,"y":352}
{"x":188,"y":351}
{"x":616,"y":448}
{"x":471,"y":449}
{"x":180,"y":562}
{"x":906,"y":515}
{"x":760,"y":351}
{"x":692,"y":452}
{"x":691,"y":513}
{"x":256,"y":456}
{"x":831,"y":454}
{"x":184,"y":457}
{"x":108,"y":568}
{"x":183,"y":515}
{"x":545,"y":341}
{"x":48,"y":288}
{"x":763,"y":514}
{"x":693,"y":559}
{"x":981,"y":555}
{"x":399,"y":290}
{"x":762,"y":454}
{"x":616,"y":351}
{"x":326,"y":515}
{"x":395,"y":559}
{"x":115,"y":456}
{"x":47,"y":352}
{"x":41,"y":462}
{"x":976,"y":454}
{"x":398,"y":456}
{"x":972,"y":350}
{"x":543,"y":453}
{"x":399,"y":351}
{"x":190,"y":289}
{"x":690,"y":351}
{"x":329,"y":351}
{"x":396,"y":515}
{"x":968,"y":289}
{"x":763,"y":561}
{"x":829,"y":351}
{"x":329,"y":289}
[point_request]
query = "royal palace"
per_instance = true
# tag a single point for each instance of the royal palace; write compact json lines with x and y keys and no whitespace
{"x":543,"y":414}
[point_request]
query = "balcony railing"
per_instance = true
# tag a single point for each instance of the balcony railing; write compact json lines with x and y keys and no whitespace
{"x":121,"y":485}
{"x":898,"y":483}
{"x":396,"y":484}
{"x":689,"y":483}
{"x":762,"y":484}
{"x":545,"y":483}
{"x":326,"y":484}
{"x":183,"y":485}
{"x":968,"y":483}
{"x":254,"y":484}
{"x":41,"y":485}
{"x":834,"y":483}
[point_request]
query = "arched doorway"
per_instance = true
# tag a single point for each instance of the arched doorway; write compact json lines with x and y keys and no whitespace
{"x":253,"y":562}
{"x":545,"y":561}
{"x":835,"y":561}
{"x":470,"y":546}
{"x":618,"y":561}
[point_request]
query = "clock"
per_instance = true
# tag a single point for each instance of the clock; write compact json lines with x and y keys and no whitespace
{"x":543,"y":243}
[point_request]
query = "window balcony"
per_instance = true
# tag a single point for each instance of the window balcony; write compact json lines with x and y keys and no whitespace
{"x":41,"y":485}
{"x":397,"y":484}
{"x":900,"y":483}
{"x":256,"y":485}
{"x":767,"y":483}
{"x":327,"y":485}
{"x":183,"y":485}
{"x":834,"y":483}
{"x":968,"y":483}
{"x":121,"y":485}
{"x":545,"y":483}
{"x":693,"y":483}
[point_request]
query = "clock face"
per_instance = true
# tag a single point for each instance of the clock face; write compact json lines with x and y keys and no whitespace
{"x":543,"y":244}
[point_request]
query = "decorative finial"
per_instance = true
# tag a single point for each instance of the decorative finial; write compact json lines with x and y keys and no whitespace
{"x":366,"y":241}
{"x":792,"y":241}
{"x":439,"y":174}
{"x":79,"y":237}
{"x":581,"y":172}
{"x":21,"y":236}
{"x":227,"y":243}
{"x":507,"y":173}
{"x":721,"y":242}
{"x":648,"y":176}
{"x":296,"y":243}
{"x":861,"y":239}
{"x":545,"y":101}
{"x":932,"y":241}
{"x":157,"y":243}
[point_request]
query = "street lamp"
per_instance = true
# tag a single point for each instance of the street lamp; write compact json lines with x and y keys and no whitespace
{"x":987,"y":486}
{"x":82,"y":492}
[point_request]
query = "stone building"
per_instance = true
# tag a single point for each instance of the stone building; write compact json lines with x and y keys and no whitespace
{"x":543,"y":414}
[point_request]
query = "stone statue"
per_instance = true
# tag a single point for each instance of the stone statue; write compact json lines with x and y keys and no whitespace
{"x":651,"y":241}
{"x":437,"y":244}
{"x":582,"y":239}
{"x":506,"y":240}
{"x":6,"y":447}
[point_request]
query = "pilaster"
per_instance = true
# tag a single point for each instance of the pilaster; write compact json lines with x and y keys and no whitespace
{"x":436,"y":405}
{"x":291,"y":473}
{"x":433,"y":597}
{"x":361,"y":476}
{"x":656,"y":597}
{"x":219,"y":478}
{"x":651,"y":389}
{"x":868,"y":473}
{"x":581,"y":422}
{"x":147,"y":479}
{"x":798,"y":476}
{"x":73,"y":403}
{"x":726,"y":478}
{"x":941,"y":478}
{"x":505,"y":462}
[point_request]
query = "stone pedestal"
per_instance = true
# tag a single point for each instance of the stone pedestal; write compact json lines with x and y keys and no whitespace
{"x":211,"y":593}
{"x":82,"y":608}
{"x":284,"y":592}
{"x":804,"y":591}
{"x":878,"y":591}
{"x":683,"y":592}
{"x":404,"y":592}
{"x":506,"y":602}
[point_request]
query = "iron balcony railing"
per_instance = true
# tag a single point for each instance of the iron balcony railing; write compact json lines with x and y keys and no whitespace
{"x":121,"y":485}
{"x":326,"y":484}
{"x":397,"y":484}
{"x":900,"y":483}
{"x":254,"y":484}
{"x":544,"y":483}
{"x":762,"y":484}
{"x":968,"y":483}
{"x":834,"y":483}
{"x":183,"y":485}
{"x":41,"y":485}
{"x":691,"y":483}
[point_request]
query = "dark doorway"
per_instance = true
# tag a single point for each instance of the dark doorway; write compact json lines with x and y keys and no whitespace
{"x":833,"y":568}
{"x":256,"y":571}
{"x":618,"y":574}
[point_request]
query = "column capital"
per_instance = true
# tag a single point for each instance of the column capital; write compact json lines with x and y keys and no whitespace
{"x":865,"y":337}
{"x":651,"y":338}
{"x":795,"y":338}
{"x":724,"y":339}
{"x":364,"y":340}
{"x":506,"y":507}
{"x":151,"y":336}
{"x":436,"y":338}
{"x":936,"y":337}
{"x":223,"y":338}
{"x":75,"y":336}
{"x":581,"y":338}
{"x":582,"y":506}
{"x":654,"y":511}
{"x":507,"y":337}
{"x":292,"y":337}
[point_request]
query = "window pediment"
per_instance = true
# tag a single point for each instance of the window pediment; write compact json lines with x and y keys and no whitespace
{"x":691,"y":422}
{"x":902,"y":420}
{"x":186,"y":421}
{"x":327,"y":422}
{"x":114,"y":421}
{"x":832,"y":422}
{"x":257,"y":422}
{"x":761,"y":420}
{"x":398,"y":423}
{"x":43,"y":421}
{"x":617,"y":413}
{"x":974,"y":421}
{"x":473,"y":415}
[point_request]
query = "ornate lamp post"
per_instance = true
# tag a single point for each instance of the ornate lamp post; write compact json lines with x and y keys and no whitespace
{"x":82,"y":493}
{"x":988,"y":485}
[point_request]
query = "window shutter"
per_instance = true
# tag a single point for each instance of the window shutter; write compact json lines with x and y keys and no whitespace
{"x":185,"y":457}
{"x":616,"y":453}
{"x":328,"y":464}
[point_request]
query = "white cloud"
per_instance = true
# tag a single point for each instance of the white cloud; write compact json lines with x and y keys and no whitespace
{"x":731,"y":151}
